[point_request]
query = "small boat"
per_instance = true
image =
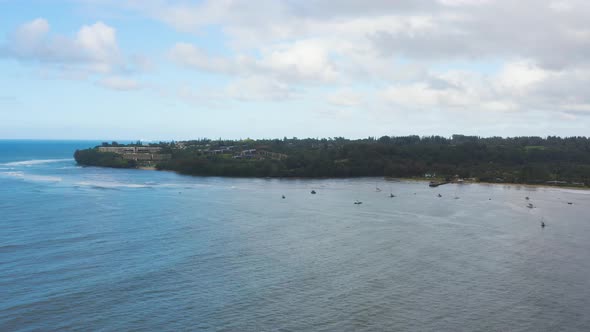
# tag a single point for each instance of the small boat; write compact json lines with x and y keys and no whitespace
{"x":391,"y":195}
{"x":283,"y":196}
{"x":570,"y":203}
{"x":527,"y":198}
{"x":313,"y":192}
{"x":439,"y":195}
{"x":456,"y":197}
{"x":358,"y":202}
{"x":530,"y":205}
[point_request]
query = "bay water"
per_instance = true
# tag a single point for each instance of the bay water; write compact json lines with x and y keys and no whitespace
{"x":86,"y":248}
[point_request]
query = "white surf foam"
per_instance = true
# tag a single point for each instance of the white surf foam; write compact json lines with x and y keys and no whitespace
{"x":31,"y":177}
{"x":111,"y":185}
{"x":35,"y":162}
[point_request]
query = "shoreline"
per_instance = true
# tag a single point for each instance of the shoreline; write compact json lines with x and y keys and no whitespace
{"x":530,"y":185}
{"x":386,"y":178}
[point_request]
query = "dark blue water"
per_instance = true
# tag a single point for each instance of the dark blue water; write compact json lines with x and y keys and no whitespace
{"x":119,"y":250}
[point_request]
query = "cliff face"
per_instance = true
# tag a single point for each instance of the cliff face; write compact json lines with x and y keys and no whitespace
{"x":93,"y":157}
{"x":120,"y":157}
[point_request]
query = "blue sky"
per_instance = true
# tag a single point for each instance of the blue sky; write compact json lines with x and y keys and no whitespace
{"x":172,"y":69}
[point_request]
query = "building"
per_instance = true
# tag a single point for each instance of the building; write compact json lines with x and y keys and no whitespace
{"x":137,"y":153}
{"x":130,"y":149}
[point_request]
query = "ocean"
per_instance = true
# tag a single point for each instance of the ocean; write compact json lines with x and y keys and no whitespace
{"x":85,"y":248}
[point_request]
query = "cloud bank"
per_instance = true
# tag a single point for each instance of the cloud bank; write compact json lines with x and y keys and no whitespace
{"x":498,"y":60}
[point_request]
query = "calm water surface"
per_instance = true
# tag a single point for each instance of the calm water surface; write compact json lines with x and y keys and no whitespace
{"x":114,"y":250}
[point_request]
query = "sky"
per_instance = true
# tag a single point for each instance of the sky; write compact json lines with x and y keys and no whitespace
{"x":179,"y":69}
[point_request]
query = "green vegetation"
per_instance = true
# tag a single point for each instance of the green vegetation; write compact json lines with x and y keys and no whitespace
{"x":494,"y":159}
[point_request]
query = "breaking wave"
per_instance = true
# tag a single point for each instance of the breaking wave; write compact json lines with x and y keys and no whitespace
{"x":111,"y":185}
{"x":35,"y":162}
{"x":31,"y":177}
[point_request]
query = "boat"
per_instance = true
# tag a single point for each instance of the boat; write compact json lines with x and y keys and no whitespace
{"x":283,"y":196}
{"x":358,"y":202}
{"x":439,"y":195}
{"x":391,"y":195}
{"x":313,"y":192}
{"x":530,"y":205}
{"x":570,"y":203}
{"x":527,"y":198}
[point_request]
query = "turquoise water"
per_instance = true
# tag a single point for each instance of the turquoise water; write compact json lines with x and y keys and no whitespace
{"x":85,"y":248}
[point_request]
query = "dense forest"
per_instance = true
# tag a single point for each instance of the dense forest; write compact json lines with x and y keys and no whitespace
{"x":553,"y":160}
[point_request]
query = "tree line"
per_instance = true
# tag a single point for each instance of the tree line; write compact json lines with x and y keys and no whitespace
{"x":490,"y":159}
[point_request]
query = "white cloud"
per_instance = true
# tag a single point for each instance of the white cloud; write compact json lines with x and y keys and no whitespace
{"x":259,"y":88}
{"x":518,"y":77}
{"x":561,"y":6}
{"x":98,"y":42}
{"x":463,"y":2}
{"x":305,"y":60}
{"x":429,"y":29}
{"x":29,"y":35}
{"x":247,"y":89}
{"x":346,"y":98}
{"x":475,"y":56}
{"x":541,"y":47}
{"x":94,"y":46}
{"x":188,"y":55}
{"x":420,"y":95}
{"x":119,"y":83}
{"x":92,"y":52}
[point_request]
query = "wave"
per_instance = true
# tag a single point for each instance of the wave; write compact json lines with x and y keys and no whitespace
{"x":110,"y":185}
{"x":35,"y":162}
{"x":148,"y":184}
{"x":13,"y":174}
{"x":70,"y":167}
{"x":31,"y":177}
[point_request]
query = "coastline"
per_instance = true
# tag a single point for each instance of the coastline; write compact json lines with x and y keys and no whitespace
{"x":386,"y":178}
{"x":530,"y":185}
{"x":534,"y":185}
